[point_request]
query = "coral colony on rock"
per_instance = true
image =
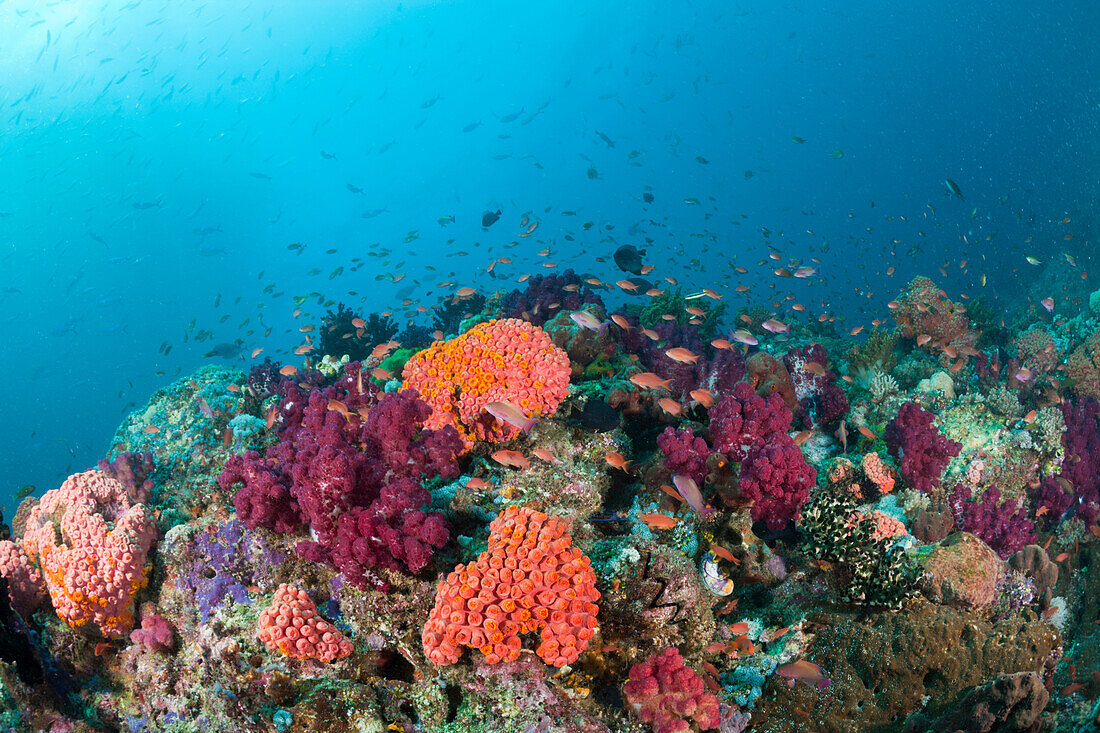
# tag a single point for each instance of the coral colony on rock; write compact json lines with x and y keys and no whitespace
{"x":800,"y":534}
{"x":615,"y":492}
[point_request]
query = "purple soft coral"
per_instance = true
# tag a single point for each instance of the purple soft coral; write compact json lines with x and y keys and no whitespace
{"x":777,"y":478}
{"x":921,"y":450}
{"x":546,"y":296}
{"x":685,"y":454}
{"x":741,"y":419}
{"x":1003,"y":526}
{"x":351,"y":472}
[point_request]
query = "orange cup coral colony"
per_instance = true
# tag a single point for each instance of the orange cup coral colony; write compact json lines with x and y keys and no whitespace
{"x":502,"y":360}
{"x":530,"y":579}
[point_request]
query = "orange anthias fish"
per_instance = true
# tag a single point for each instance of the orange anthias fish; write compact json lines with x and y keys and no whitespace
{"x":658,"y":521}
{"x":615,"y":460}
{"x":649,"y":380}
{"x":671,"y":406}
{"x":682,"y":355}
{"x":702,"y":396}
{"x":512,"y":458}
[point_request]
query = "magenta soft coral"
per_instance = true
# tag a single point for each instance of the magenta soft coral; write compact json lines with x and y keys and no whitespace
{"x":685,"y":454}
{"x":669,"y":695}
{"x":348,"y":465}
{"x":741,"y":419}
{"x":778,"y":480}
{"x":921,"y":450}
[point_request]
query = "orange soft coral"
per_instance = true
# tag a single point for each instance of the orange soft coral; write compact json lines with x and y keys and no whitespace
{"x":530,"y":579}
{"x":505,"y":360}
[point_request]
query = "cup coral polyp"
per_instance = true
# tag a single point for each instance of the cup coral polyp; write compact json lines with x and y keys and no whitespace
{"x":292,"y":626}
{"x":530,"y":579}
{"x":504,"y":360}
{"x":95,"y":571}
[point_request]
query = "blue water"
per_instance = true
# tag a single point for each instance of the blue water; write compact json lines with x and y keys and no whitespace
{"x":158,"y":158}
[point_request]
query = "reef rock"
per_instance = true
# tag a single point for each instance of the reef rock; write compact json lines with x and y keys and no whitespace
{"x":1011,"y":703}
{"x":886,"y":663}
{"x":963,"y":571}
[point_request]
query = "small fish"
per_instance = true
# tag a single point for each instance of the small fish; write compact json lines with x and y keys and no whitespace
{"x":615,"y":460}
{"x":689,"y":490}
{"x":923,"y":339}
{"x":658,"y":521}
{"x":720,"y":344}
{"x":512,"y":458}
{"x":805,"y":272}
{"x":802,"y":437}
{"x":1048,"y":303}
{"x":382,"y":375}
{"x":953,"y":189}
{"x":682,"y":355}
{"x":814,"y":368}
{"x":584,"y":319}
{"x":620,"y":321}
{"x":1030,"y":417}
{"x":1033,"y":260}
{"x":743,"y":336}
{"x":489,"y":218}
{"x":649,"y":380}
{"x":627,"y":285}
{"x":465,"y":292}
{"x":1070,"y":689}
{"x":289,"y":370}
{"x":866,"y":432}
{"x":1024,"y":375}
{"x":477,"y":484}
{"x":805,"y":671}
{"x":775,"y":326}
{"x":544,"y":455}
{"x":702,"y":396}
{"x":507,"y":412}
{"x":671,"y":406}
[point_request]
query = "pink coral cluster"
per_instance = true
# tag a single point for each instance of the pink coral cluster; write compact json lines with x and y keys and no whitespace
{"x":531,"y":579}
{"x":94,"y":572}
{"x":26,"y":587}
{"x":505,"y":360}
{"x":155,"y":633}
{"x":886,"y":526}
{"x":669,"y":695}
{"x":292,"y":626}
{"x":878,"y":472}
{"x":742,"y":418}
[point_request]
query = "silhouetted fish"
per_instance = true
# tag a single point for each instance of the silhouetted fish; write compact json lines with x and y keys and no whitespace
{"x":629,"y":259}
{"x":489,"y":218}
{"x":596,"y":415}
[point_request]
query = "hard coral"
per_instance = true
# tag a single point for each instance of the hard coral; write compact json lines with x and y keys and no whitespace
{"x":666,"y":693}
{"x":1083,"y":367}
{"x":767,"y":376}
{"x":925,"y":310}
{"x":921,"y":450}
{"x":530,"y":579}
{"x":92,"y":571}
{"x":506,"y":360}
{"x":292,"y":626}
{"x":25,"y":584}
